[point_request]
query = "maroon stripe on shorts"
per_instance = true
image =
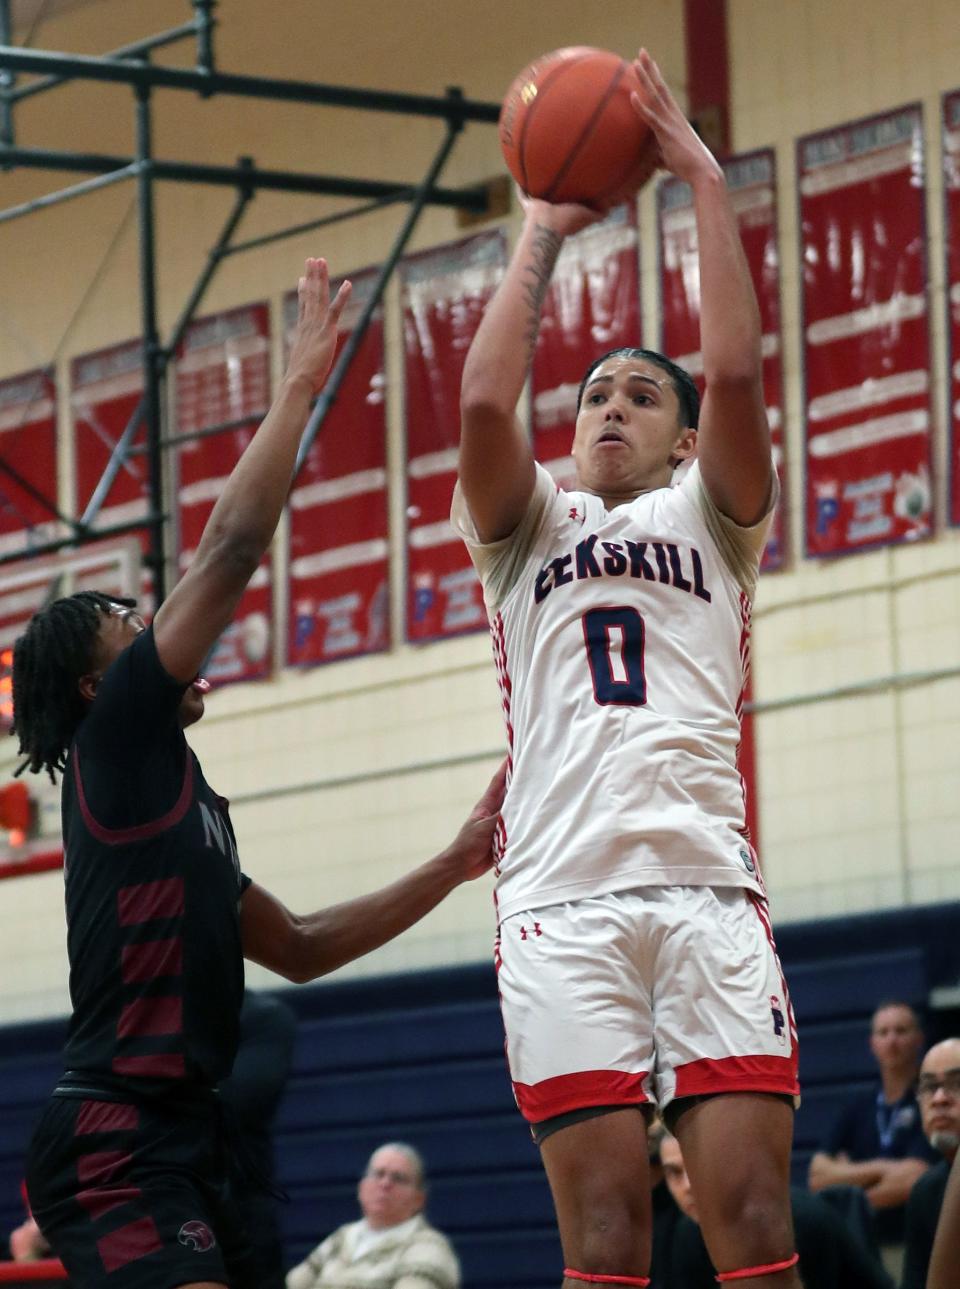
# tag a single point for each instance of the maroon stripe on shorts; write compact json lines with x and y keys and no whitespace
{"x":105,"y":1198}
{"x":148,"y":901}
{"x":148,"y":1016}
{"x":103,"y":1166}
{"x":158,"y":1065}
{"x":151,"y":960}
{"x":128,"y":1243}
{"x":106,"y":1116}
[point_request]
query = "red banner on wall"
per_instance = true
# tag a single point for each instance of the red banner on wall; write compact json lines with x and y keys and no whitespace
{"x":28,"y":444}
{"x":339,"y":521}
{"x":951,"y":223}
{"x":591,"y":306}
{"x":444,"y":294}
{"x":223,"y":378}
{"x":752,"y":183}
{"x":865,"y":334}
{"x":105,"y":388}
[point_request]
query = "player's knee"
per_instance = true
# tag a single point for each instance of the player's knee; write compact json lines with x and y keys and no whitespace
{"x":761,"y":1224}
{"x":613,"y":1240}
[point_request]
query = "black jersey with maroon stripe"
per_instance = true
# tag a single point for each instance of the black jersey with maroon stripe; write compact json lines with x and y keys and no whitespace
{"x":153,"y":887}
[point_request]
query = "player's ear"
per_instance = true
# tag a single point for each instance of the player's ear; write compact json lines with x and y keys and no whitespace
{"x":685,"y":446}
{"x":88,"y":686}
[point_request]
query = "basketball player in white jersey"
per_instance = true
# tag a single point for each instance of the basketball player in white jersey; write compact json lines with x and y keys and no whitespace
{"x":636,"y":964}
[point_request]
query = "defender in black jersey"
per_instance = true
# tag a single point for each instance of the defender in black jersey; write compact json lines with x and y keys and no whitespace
{"x":127,"y":1171}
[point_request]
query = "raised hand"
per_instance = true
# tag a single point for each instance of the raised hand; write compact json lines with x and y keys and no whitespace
{"x":682,"y":151}
{"x":315,"y":338}
{"x":563,"y":218}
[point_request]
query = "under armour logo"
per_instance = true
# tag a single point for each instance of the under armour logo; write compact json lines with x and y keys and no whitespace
{"x":197,"y":1236}
{"x":536,"y":931}
{"x":575,"y":514}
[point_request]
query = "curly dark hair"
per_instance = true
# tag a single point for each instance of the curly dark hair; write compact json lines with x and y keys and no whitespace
{"x":57,"y":648}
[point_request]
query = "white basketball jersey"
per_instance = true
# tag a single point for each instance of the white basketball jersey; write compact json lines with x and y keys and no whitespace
{"x":621,"y":640}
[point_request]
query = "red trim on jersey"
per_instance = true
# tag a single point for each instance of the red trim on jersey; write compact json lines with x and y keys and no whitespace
{"x":738,"y":1074}
{"x":566,"y":1092}
{"x":149,"y":901}
{"x":151,"y":1016}
{"x":159,"y":1065}
{"x":105,"y":1199}
{"x":506,"y":693}
{"x":140,"y":832}
{"x":151,"y":960}
{"x":129,"y":1243}
{"x":103,"y":1166}
{"x":106,"y":1116}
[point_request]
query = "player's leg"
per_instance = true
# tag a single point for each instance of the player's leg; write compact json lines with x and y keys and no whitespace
{"x":736,"y":1148}
{"x":727,"y":1074}
{"x":599,"y":1178}
{"x":578,"y":1024}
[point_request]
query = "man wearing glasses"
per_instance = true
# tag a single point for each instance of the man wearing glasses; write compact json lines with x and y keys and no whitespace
{"x":938,"y":1092}
{"x":393,"y":1246}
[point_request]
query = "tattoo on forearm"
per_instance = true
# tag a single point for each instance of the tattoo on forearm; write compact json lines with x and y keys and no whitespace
{"x":544,"y":252}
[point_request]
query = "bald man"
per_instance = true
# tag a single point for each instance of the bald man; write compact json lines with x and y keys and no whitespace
{"x":938,"y":1092}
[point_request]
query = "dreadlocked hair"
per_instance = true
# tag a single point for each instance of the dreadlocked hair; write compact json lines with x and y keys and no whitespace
{"x":57,"y":648}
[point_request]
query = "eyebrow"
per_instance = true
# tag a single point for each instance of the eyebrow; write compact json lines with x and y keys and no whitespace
{"x":634,"y":375}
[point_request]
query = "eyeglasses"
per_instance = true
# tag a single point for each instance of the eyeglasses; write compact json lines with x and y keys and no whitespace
{"x":390,"y":1175}
{"x":928,"y":1085}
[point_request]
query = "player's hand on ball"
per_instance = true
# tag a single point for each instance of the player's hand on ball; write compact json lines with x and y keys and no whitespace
{"x":315,"y":337}
{"x":472,"y":848}
{"x":563,"y":218}
{"x":682,"y":151}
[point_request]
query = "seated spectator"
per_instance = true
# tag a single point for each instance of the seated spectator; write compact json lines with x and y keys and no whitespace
{"x":877,"y":1141}
{"x":830,"y":1257}
{"x":393,"y":1246}
{"x":665,"y":1212}
{"x":938,"y":1091}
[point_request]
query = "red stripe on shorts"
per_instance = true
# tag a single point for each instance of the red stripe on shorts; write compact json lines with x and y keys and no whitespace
{"x":103,"y":1166}
{"x":106,"y":1116}
{"x":566,"y":1092}
{"x":158,"y":1065}
{"x":738,"y":1074}
{"x":128,"y":1243}
{"x":151,"y":960}
{"x":149,"y":1016}
{"x":150,"y":900}
{"x":103,"y":1200}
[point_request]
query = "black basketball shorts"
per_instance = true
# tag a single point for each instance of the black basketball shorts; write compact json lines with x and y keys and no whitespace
{"x":134,"y":1195}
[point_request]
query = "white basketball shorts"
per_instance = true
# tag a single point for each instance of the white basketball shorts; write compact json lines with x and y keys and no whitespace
{"x":644,"y":996}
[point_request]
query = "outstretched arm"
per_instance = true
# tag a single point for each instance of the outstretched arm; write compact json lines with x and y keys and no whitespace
{"x":303,"y":948}
{"x":734,"y":438}
{"x":245,"y":517}
{"x":496,"y":460}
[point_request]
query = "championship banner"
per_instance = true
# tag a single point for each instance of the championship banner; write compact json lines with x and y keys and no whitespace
{"x":951,"y":202}
{"x":865,"y":334}
{"x":222,"y":379}
{"x":28,"y":444}
{"x":592,"y":305}
{"x":752,"y":183}
{"x":105,"y":388}
{"x":444,"y":293}
{"x":339,"y":518}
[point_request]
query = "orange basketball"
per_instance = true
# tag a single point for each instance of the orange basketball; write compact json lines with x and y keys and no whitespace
{"x":569,"y":132}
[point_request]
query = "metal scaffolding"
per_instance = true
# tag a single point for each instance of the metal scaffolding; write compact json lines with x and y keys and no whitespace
{"x":130,"y":65}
